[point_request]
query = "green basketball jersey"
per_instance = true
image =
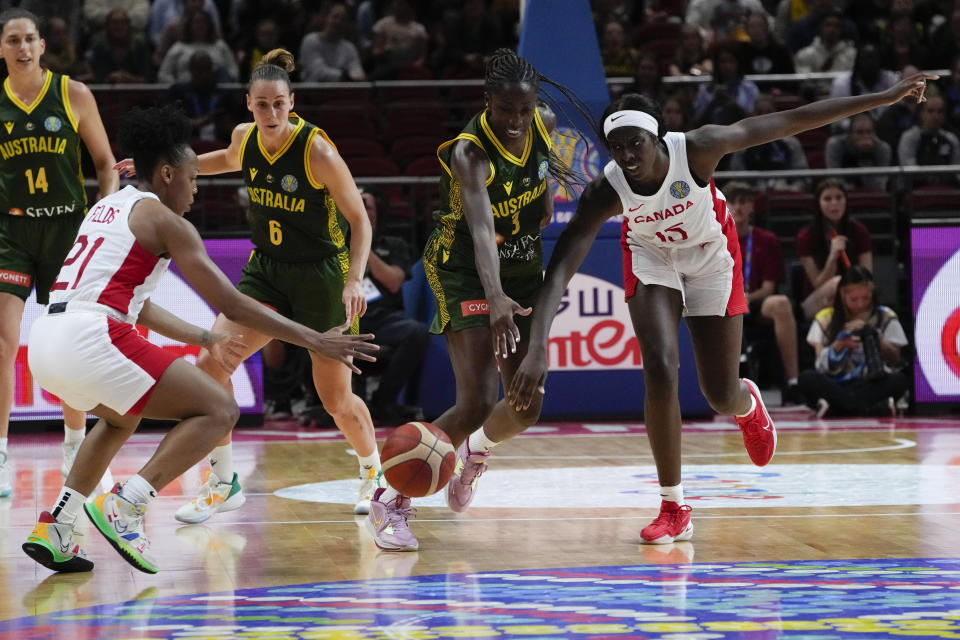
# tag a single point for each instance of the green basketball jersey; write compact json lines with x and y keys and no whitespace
{"x":293,"y":217}
{"x":40,"y":152}
{"x":516,"y":187}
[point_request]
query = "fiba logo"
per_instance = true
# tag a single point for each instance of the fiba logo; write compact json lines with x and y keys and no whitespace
{"x":289,"y":183}
{"x":938,"y":330}
{"x":52,"y":124}
{"x":679,"y":189}
{"x":576,"y":152}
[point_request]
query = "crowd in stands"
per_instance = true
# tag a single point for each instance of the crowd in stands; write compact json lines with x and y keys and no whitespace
{"x":191,"y":48}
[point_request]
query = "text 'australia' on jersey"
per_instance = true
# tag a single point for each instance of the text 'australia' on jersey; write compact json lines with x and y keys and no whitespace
{"x":40,"y":153}
{"x":293,"y":217}
{"x":516,"y":188}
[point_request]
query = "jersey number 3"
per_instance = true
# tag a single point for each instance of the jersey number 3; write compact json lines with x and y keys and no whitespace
{"x":82,"y":247}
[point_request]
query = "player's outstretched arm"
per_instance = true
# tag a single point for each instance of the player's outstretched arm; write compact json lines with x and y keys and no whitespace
{"x":226,"y":349}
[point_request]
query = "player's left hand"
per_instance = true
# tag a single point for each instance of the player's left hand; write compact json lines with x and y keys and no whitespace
{"x":914,"y":85}
{"x":227,"y":350}
{"x":125,"y":168}
{"x":354,"y":300}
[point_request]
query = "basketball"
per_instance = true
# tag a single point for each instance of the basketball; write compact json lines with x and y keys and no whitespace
{"x":417,"y":459}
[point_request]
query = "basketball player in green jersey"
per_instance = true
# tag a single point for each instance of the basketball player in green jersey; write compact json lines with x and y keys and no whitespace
{"x":44,"y":117}
{"x":484,"y":264}
{"x":302,"y":197}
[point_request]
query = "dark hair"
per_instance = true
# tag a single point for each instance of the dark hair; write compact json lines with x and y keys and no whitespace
{"x":17,"y":13}
{"x":821,"y":246}
{"x":154,"y":135}
{"x":504,"y":69}
{"x":854,"y":275}
{"x":738,"y":189}
{"x":276,"y":64}
{"x":188,"y":32}
{"x":633,"y":102}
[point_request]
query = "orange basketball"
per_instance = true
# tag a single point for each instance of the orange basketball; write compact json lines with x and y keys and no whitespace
{"x":417,"y":459}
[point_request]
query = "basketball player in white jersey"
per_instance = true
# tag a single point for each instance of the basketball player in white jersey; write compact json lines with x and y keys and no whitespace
{"x":681,"y":257}
{"x":87,"y":351}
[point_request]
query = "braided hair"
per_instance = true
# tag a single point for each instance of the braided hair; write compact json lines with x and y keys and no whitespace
{"x":275,"y":65}
{"x":155,"y":135}
{"x":505,"y":68}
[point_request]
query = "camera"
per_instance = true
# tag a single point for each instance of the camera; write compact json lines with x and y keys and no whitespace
{"x":872,"y":360}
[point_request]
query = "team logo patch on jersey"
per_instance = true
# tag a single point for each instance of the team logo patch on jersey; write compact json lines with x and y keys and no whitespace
{"x":542,"y":169}
{"x":679,"y":189}
{"x":525,"y":183}
{"x":9,"y":126}
{"x":288,"y":183}
{"x":269,"y":178}
{"x":30,"y":126}
{"x":253,"y":174}
{"x":15,"y":212}
{"x":52,"y":124}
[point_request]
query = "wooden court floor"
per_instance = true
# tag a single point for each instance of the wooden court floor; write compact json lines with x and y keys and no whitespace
{"x":852,"y":531}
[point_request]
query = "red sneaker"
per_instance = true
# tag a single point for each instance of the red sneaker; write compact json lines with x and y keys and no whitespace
{"x":759,"y":434}
{"x":673,"y":524}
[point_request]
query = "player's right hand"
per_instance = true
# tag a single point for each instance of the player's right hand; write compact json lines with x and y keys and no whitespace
{"x":337,"y":345}
{"x":125,"y":168}
{"x":503,"y":329}
{"x":227,"y":350}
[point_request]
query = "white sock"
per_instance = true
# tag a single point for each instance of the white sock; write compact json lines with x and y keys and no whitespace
{"x":479,"y":442}
{"x":371,"y":461}
{"x":3,"y":445}
{"x":388,"y":494}
{"x":73,"y":436}
{"x":753,"y":405}
{"x":137,"y":490}
{"x":221,"y":461}
{"x":68,"y":505}
{"x":672,"y":494}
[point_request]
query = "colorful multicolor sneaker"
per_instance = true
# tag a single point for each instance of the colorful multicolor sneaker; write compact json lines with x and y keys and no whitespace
{"x":5,"y":487}
{"x":387,"y":523}
{"x":214,"y":496}
{"x":759,"y":434}
{"x":121,"y":523}
{"x":368,"y":486}
{"x":672,"y":525}
{"x":463,"y":485}
{"x":52,"y":544}
{"x":69,"y":455}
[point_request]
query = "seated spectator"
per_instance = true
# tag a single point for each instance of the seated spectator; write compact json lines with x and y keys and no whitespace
{"x":118,"y":55}
{"x":858,"y":343}
{"x":860,"y":147}
{"x":803,"y":30}
{"x":898,"y":117}
{"x":763,"y":53}
{"x":730,"y":96}
{"x":721,"y":20}
{"x":776,"y":155}
{"x":209,"y":108}
{"x":266,"y":37}
{"x":945,"y":41}
{"x":676,"y":113}
{"x":199,"y":34}
{"x":763,"y":272}
{"x":903,"y":43}
{"x":830,"y":246}
{"x":60,"y":54}
{"x":950,"y":90}
{"x":327,"y":55}
{"x":619,"y":58}
{"x":829,"y":51}
{"x":96,"y":13}
{"x":166,"y":18}
{"x":867,"y":76}
{"x":398,"y":41}
{"x":646,"y":76}
{"x":691,"y":57}
{"x":468,"y":34}
{"x":387,"y":269}
{"x":929,"y":143}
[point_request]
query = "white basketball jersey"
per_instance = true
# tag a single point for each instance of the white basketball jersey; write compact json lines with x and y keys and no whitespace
{"x":106,"y":265}
{"x":680,"y":214}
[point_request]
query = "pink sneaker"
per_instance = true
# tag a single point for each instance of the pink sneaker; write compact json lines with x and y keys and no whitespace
{"x":387,"y":523}
{"x":672,"y":525}
{"x":759,"y":434}
{"x":463,"y":485}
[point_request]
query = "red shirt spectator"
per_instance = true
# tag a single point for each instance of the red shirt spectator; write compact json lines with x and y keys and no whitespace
{"x":762,"y":258}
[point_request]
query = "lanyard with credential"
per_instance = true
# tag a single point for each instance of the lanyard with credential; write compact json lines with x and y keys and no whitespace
{"x":747,"y":259}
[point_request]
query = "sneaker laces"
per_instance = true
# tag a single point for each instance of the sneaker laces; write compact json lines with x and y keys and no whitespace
{"x":472,"y":470}
{"x":669,"y":517}
{"x":206,"y":489}
{"x":401,"y":511}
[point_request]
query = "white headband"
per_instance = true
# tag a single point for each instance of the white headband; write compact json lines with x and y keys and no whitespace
{"x":630,"y":119}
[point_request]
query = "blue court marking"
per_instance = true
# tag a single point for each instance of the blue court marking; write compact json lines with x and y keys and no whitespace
{"x":815,"y":600}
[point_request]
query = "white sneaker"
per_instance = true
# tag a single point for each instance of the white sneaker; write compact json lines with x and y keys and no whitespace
{"x":214,"y":496}
{"x":121,"y":523}
{"x":5,"y":487}
{"x":822,"y":407}
{"x":69,"y":455}
{"x":368,"y":485}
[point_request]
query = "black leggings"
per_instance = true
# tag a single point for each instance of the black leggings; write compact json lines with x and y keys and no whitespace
{"x":857,"y":398}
